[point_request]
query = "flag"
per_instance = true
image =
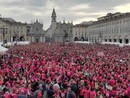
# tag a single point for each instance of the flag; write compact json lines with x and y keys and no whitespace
{"x":100,"y":54}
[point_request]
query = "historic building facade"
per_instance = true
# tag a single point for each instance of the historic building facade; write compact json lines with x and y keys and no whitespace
{"x":80,"y":31}
{"x":114,"y":27}
{"x":59,"y":32}
{"x":35,"y":32}
{"x":110,"y":28}
{"x":11,"y":31}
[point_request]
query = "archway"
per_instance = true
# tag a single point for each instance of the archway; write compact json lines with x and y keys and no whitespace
{"x":105,"y":40}
{"x":120,"y":40}
{"x":114,"y":40}
{"x":86,"y":39}
{"x":82,"y":38}
{"x":21,"y":38}
{"x":75,"y":39}
{"x":37,"y":40}
{"x":126,"y":40}
{"x":110,"y":40}
{"x":14,"y":38}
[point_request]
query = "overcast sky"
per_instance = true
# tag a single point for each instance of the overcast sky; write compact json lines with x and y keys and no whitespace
{"x":72,"y":10}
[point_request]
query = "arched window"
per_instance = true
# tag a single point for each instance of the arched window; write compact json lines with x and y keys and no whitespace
{"x":75,"y":39}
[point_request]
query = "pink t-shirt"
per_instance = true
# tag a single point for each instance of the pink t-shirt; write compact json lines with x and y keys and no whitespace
{"x":128,"y":91}
{"x":14,"y":96}
{"x":86,"y":93}
{"x":6,"y":95}
{"x":82,"y":90}
{"x":39,"y":94}
{"x":92,"y":94}
{"x":112,"y":82}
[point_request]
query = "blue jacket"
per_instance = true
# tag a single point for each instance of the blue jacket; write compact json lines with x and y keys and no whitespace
{"x":21,"y":96}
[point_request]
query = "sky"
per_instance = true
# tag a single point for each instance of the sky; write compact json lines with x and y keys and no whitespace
{"x":70,"y":10}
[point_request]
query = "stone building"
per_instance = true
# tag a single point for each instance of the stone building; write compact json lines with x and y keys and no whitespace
{"x":80,"y":31}
{"x":11,"y":31}
{"x":35,"y":32}
{"x":114,"y":27}
{"x":59,"y":32}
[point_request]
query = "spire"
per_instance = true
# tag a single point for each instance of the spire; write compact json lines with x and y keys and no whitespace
{"x":53,"y":12}
{"x":53,"y":15}
{"x":64,"y":20}
{"x":36,"y":20}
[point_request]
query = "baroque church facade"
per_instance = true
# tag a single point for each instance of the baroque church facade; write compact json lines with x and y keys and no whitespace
{"x":35,"y":32}
{"x":59,"y":32}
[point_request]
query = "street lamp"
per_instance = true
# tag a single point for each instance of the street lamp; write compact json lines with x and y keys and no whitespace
{"x":4,"y":29}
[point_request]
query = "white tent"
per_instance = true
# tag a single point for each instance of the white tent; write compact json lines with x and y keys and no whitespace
{"x":3,"y":50}
{"x":82,"y":42}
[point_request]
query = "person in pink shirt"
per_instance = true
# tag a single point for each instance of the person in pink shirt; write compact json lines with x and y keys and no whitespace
{"x":112,"y":82}
{"x":82,"y":90}
{"x":87,"y":93}
{"x":14,"y":95}
{"x":128,"y":90}
{"x":46,"y":63}
{"x":92,"y":93}
{"x":6,"y":93}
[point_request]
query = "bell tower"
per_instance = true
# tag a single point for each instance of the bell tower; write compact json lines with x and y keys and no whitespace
{"x":53,"y":16}
{"x":53,"y":20}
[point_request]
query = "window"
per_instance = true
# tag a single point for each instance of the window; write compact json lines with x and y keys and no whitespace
{"x":126,"y":41}
{"x":36,"y":29}
{"x":120,"y":40}
{"x":110,"y":40}
{"x":114,"y":40}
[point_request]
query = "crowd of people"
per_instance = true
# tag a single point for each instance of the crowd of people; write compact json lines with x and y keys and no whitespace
{"x":54,"y":70}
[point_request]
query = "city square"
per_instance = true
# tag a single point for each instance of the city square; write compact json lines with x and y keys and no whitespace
{"x":83,"y":53}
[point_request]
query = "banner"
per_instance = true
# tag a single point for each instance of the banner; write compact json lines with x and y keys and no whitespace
{"x":100,"y":54}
